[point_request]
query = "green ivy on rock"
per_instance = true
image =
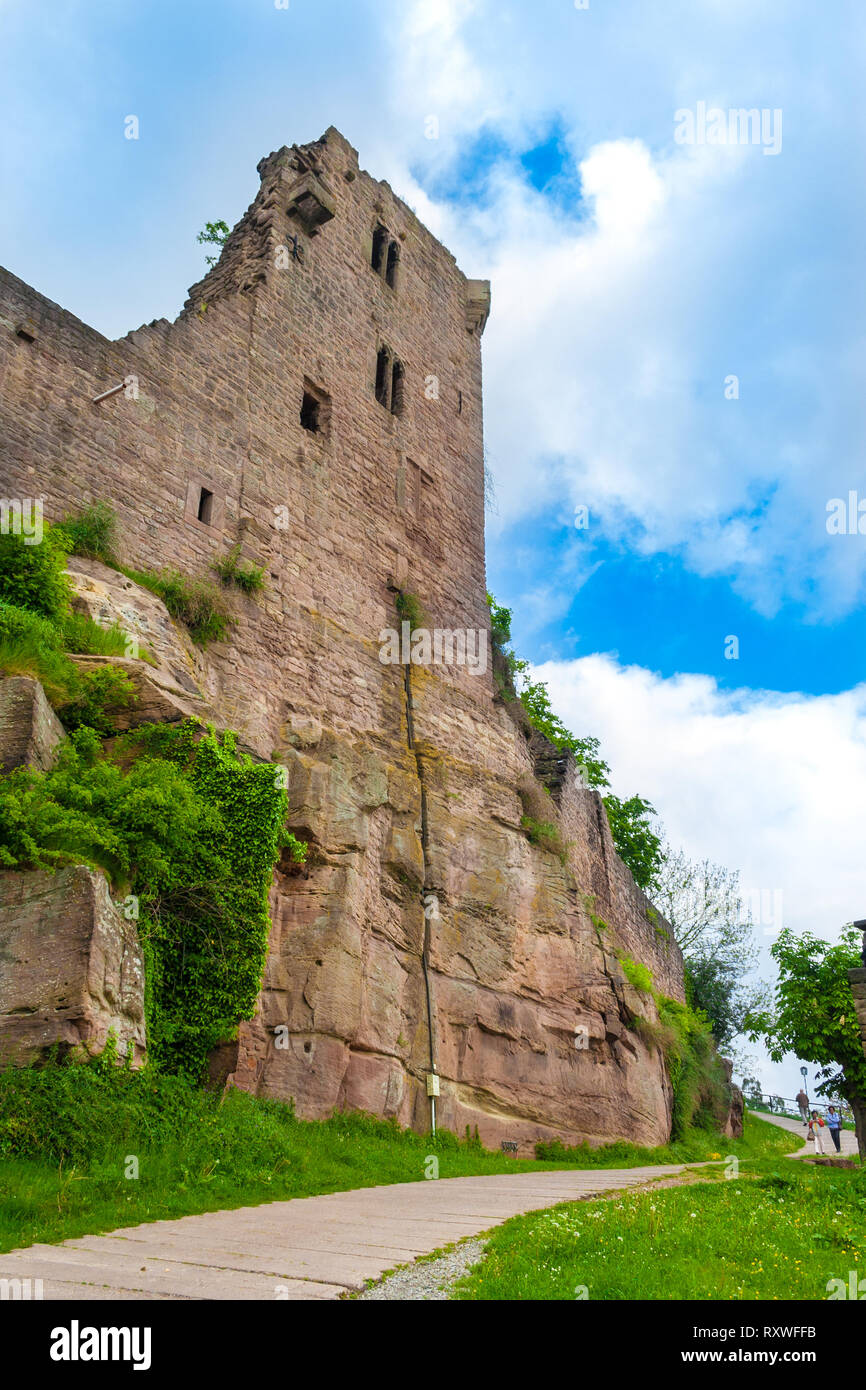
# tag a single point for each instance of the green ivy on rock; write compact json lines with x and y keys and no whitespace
{"x":192,"y":829}
{"x":205,"y":932}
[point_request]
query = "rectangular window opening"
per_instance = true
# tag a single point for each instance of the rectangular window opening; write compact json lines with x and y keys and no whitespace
{"x":310,"y":413}
{"x":315,"y":414}
{"x":205,"y":506}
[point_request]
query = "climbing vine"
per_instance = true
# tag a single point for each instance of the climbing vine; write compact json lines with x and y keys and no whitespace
{"x":205,"y":932}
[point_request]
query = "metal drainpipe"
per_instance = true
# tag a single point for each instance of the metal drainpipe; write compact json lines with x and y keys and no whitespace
{"x":425,"y":952}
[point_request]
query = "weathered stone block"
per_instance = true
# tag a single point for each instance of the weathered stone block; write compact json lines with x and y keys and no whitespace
{"x":30,"y":731}
{"x":71,"y":967}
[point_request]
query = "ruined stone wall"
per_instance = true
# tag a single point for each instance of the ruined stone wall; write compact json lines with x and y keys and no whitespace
{"x":858,"y":989}
{"x":339,"y":518}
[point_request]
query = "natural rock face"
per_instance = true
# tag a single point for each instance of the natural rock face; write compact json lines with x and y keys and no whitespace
{"x":157,"y":698}
{"x":71,"y":968}
{"x":107,"y":597}
{"x":531,"y":1007}
{"x":327,"y":417}
{"x":29,"y":729}
{"x":168,"y":682}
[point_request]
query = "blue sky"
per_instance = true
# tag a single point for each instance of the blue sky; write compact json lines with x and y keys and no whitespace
{"x":632,"y":276}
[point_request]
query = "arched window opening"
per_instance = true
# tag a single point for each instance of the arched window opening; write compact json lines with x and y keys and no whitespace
{"x":380,"y":241}
{"x":397,"y":378}
{"x":383,"y":377}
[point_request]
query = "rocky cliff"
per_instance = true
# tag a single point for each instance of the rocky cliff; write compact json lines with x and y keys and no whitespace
{"x":531,"y":1011}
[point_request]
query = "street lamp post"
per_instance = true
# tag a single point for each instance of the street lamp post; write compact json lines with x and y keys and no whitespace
{"x":804,"y":1074}
{"x":861,"y":926}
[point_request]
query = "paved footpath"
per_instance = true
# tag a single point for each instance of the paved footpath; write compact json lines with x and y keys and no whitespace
{"x":848,"y":1137}
{"x":308,"y":1248}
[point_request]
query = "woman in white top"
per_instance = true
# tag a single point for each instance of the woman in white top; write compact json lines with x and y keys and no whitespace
{"x":816,"y":1124}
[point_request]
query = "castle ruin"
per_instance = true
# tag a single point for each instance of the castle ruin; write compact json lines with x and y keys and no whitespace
{"x":318,"y":402}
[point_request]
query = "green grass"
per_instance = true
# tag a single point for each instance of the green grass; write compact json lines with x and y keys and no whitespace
{"x":546,"y":836}
{"x":250,"y":579}
{"x":21,"y":655}
{"x":776,"y":1232}
{"x":66,"y":1133}
{"x":194,"y":600}
{"x":92,"y":532}
{"x":34,"y":646}
{"x":80,"y":634}
{"x":760,"y":1140}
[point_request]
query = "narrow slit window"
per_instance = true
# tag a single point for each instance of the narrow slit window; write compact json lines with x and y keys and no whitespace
{"x":205,"y":506}
{"x":391,"y":266}
{"x":383,"y":383}
{"x":380,"y":241}
{"x":397,"y":378}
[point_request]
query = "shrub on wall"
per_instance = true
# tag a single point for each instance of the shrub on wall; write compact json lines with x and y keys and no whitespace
{"x":637,"y":974}
{"x":34,"y":576}
{"x":92,"y":532}
{"x":38,"y":628}
{"x":250,"y":579}
{"x":205,"y":932}
{"x":630,"y":824}
{"x":700,"y":1093}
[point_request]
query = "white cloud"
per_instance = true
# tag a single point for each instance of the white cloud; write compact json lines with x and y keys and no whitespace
{"x":769,"y":783}
{"x":611,"y":336}
{"x":625,"y":186}
{"x":436,"y":73}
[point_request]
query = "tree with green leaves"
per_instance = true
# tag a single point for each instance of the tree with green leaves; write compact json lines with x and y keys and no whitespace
{"x":814,"y":1017}
{"x":751,"y":1089}
{"x":703,"y":903}
{"x":214,"y":234}
{"x":636,"y":842}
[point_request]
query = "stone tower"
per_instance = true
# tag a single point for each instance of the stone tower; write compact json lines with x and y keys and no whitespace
{"x":318,"y":401}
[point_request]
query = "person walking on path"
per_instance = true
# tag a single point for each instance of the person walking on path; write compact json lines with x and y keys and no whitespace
{"x":834,"y":1124}
{"x":803,"y":1102}
{"x":816,"y":1124}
